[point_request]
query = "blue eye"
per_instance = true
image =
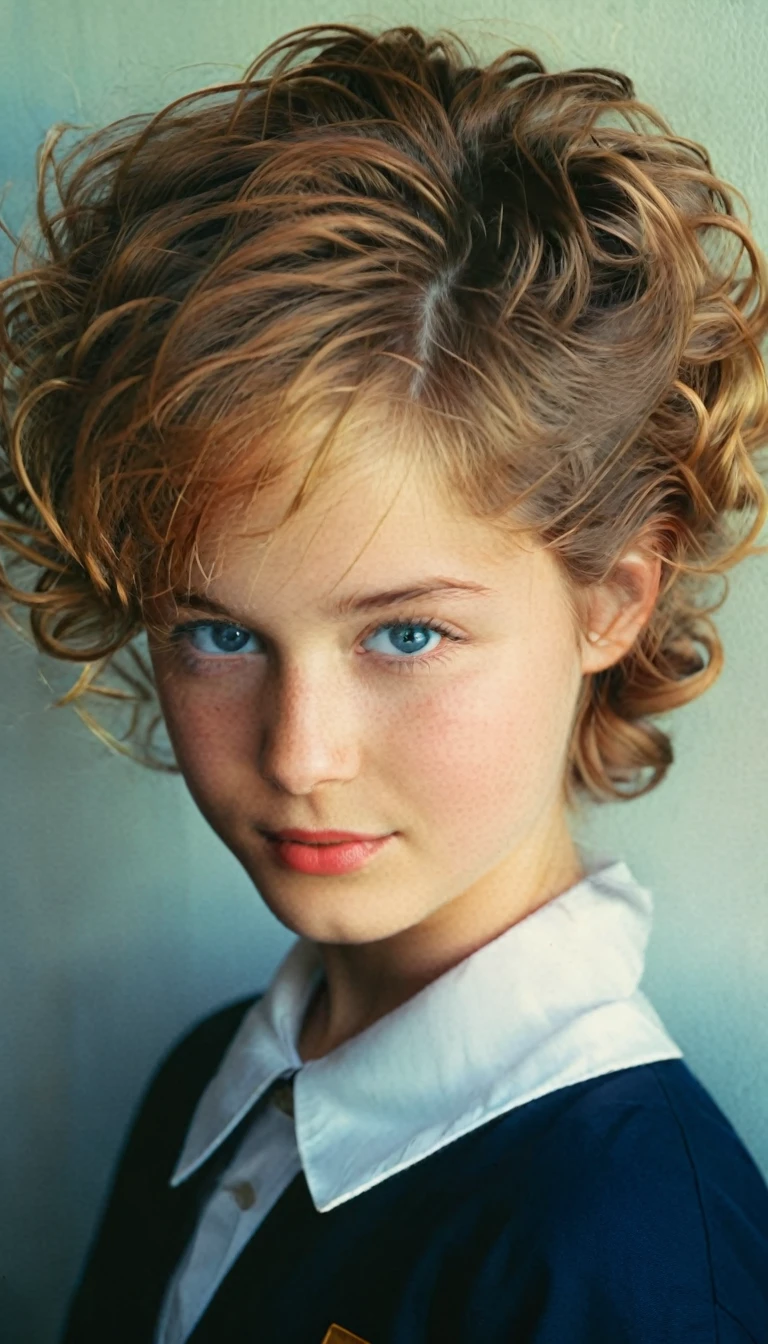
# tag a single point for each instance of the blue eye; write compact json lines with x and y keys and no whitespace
{"x":409,"y":637}
{"x":227,"y":638}
{"x":231,"y":637}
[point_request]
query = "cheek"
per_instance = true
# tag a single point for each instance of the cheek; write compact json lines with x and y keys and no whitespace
{"x":210,"y":742}
{"x":486,"y":746}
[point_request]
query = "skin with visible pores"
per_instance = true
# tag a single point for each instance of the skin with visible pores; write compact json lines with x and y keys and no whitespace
{"x":310,"y":723}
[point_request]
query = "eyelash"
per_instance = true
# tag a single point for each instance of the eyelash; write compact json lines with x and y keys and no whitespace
{"x":180,"y":636}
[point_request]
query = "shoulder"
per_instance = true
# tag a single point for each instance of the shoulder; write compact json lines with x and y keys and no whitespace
{"x":646,"y":1192}
{"x":655,"y":1120}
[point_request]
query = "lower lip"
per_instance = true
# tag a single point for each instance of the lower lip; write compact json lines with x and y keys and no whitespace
{"x":343,"y":857}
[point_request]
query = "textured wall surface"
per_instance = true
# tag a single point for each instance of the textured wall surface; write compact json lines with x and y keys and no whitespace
{"x":123,"y":918}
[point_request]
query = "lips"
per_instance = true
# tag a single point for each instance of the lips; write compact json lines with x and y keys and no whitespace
{"x":325,"y":859}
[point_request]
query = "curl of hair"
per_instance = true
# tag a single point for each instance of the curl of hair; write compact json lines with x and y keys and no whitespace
{"x":529,"y":268}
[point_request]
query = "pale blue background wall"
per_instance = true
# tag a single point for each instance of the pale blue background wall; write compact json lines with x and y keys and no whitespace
{"x":123,"y":918}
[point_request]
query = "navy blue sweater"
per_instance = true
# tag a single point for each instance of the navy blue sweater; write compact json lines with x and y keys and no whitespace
{"x":622,"y":1210}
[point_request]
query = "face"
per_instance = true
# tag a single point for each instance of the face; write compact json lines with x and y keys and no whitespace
{"x":442,"y":721}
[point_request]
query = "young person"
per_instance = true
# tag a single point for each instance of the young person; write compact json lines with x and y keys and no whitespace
{"x":409,"y":406}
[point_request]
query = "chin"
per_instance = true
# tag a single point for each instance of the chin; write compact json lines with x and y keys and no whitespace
{"x":326,"y":924}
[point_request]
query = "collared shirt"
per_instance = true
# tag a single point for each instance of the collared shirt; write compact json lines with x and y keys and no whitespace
{"x":552,"y":1001}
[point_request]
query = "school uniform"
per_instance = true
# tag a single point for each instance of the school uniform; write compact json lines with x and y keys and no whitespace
{"x":516,"y":1155}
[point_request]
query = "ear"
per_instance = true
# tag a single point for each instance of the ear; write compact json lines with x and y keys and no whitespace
{"x":617,"y":609}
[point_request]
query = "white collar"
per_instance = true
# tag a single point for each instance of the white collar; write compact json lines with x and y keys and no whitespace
{"x":551,"y":1001}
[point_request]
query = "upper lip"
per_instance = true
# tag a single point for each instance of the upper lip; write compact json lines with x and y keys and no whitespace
{"x":318,"y":837}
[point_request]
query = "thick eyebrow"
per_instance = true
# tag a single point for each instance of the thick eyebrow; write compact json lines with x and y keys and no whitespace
{"x":432,"y":587}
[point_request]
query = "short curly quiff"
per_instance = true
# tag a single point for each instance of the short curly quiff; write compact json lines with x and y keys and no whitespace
{"x":542,"y":283}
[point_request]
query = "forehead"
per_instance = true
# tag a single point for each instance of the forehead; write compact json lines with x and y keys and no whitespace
{"x":377,"y":517}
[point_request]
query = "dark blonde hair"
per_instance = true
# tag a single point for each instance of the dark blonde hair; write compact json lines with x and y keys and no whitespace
{"x":549,"y":292}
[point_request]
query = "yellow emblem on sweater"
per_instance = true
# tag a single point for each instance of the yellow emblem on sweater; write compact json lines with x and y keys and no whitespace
{"x":338,"y":1335}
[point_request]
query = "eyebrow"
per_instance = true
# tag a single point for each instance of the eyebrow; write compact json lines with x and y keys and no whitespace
{"x":345,"y":606}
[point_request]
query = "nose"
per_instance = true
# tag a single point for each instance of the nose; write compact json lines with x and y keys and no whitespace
{"x":310,"y":733}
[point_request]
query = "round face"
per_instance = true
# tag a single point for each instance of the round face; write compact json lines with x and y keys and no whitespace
{"x":296,"y":694}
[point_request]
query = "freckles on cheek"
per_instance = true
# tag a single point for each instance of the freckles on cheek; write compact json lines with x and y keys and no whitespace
{"x":450,"y":746}
{"x":209,"y":739}
{"x":490,"y":743}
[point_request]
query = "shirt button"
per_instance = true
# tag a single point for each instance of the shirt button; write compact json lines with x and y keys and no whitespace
{"x":243,"y":1194}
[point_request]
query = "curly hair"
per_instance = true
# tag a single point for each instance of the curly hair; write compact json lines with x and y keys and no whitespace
{"x":529,"y":268}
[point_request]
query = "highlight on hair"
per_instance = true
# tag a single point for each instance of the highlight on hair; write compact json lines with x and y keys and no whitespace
{"x":546,"y":291}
